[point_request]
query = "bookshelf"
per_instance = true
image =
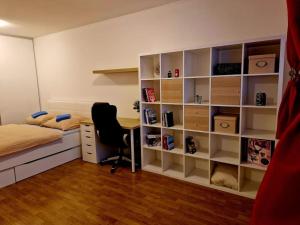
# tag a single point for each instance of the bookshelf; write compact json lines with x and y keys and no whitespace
{"x":230,"y":93}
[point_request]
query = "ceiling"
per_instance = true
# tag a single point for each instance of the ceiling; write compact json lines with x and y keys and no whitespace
{"x":33,"y":18}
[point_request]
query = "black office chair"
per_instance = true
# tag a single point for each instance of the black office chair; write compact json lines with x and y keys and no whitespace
{"x":110,"y":133}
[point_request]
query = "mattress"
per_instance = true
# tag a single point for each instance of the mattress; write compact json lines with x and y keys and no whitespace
{"x":67,"y":132}
{"x":19,"y":137}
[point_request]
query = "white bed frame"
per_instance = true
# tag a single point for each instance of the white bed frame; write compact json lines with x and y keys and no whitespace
{"x":20,"y":166}
{"x":28,"y":163}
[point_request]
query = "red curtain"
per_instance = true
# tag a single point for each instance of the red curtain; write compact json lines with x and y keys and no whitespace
{"x":293,"y":42}
{"x":290,"y":106}
{"x":278,"y":199}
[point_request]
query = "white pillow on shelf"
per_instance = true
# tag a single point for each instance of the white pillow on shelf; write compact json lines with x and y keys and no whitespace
{"x":225,"y":175}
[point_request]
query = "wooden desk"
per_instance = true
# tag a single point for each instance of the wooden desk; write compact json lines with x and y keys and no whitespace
{"x":128,"y":124}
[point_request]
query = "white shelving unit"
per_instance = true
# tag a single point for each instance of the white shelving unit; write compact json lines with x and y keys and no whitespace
{"x":225,"y":149}
{"x":173,"y":165}
{"x":250,"y":179}
{"x":234,"y":94}
{"x":152,"y":160}
{"x":197,"y":170}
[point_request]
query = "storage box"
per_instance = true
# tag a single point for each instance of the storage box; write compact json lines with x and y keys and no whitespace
{"x":226,"y":123}
{"x":227,"y":68}
{"x":262,"y":63}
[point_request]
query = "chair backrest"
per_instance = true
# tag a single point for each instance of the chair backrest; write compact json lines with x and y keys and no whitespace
{"x":105,"y":121}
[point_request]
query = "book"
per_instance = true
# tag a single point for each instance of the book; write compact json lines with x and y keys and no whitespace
{"x":153,"y":140}
{"x":150,"y":116}
{"x":149,"y":94}
{"x":167,"y":118}
{"x":259,"y":151}
{"x":170,"y":120}
{"x":152,"y":135}
{"x":168,"y":142}
{"x":146,"y":118}
{"x":144,"y":92}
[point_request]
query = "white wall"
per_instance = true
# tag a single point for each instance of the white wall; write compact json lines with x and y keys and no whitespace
{"x":18,"y":82}
{"x":65,"y":60}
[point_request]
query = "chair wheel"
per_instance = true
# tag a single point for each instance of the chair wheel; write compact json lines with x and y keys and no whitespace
{"x":113,"y":170}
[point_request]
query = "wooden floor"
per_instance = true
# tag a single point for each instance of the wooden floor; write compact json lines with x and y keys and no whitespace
{"x":84,"y":193}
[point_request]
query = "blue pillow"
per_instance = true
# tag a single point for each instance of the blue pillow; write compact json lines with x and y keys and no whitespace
{"x":62,"y":117}
{"x":37,"y":114}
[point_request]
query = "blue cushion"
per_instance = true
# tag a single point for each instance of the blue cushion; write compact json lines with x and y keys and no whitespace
{"x":37,"y":114}
{"x":62,"y":117}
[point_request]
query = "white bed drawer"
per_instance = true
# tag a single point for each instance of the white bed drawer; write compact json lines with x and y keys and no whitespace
{"x":29,"y":169}
{"x":7,"y":177}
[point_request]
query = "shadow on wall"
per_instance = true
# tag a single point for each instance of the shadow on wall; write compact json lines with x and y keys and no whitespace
{"x":116,"y":79}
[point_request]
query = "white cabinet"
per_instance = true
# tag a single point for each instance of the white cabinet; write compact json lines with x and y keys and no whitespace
{"x":92,"y":149}
{"x":89,"y":145}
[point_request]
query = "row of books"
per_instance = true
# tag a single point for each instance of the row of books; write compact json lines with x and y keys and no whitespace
{"x":167,"y":119}
{"x":153,"y":140}
{"x":149,"y":94}
{"x":150,"y":116}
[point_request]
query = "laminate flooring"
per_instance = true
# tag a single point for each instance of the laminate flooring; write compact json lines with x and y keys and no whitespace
{"x":83,"y":193}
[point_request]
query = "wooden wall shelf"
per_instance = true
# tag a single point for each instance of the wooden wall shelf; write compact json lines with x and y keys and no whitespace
{"x":119,"y":70}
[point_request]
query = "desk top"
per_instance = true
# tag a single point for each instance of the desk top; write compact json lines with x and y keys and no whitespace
{"x":126,"y":123}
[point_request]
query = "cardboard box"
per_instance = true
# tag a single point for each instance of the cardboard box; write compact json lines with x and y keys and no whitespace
{"x":261,"y":64}
{"x":226,"y":124}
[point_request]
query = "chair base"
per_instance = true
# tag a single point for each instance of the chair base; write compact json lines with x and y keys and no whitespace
{"x":117,"y":161}
{"x":121,"y":161}
{"x":109,"y":160}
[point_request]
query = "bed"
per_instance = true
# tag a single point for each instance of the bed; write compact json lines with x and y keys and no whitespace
{"x":23,"y":156}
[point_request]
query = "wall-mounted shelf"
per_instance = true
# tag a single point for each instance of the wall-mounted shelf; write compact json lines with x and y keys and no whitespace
{"x":119,"y":70}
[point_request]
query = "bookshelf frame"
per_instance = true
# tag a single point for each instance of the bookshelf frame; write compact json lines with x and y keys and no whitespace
{"x":197,"y":71}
